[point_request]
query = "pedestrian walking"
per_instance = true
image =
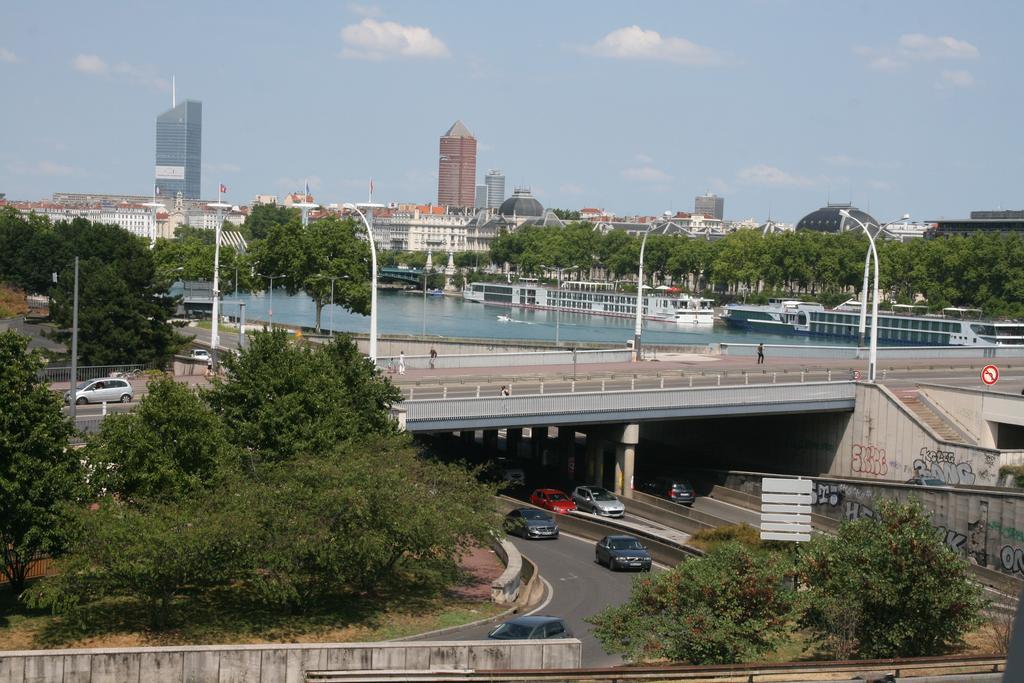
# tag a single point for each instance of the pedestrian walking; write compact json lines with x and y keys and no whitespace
{"x":433,"y":358}
{"x":504,"y":391}
{"x":760,"y":354}
{"x":401,"y":362}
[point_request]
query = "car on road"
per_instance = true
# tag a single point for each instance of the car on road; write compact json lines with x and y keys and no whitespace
{"x":671,"y":488}
{"x":598,"y":500}
{"x":200,"y":354}
{"x":103,"y":390}
{"x":552,"y":499}
{"x":512,"y":471}
{"x":622,"y":552}
{"x":930,"y":482}
{"x":531,"y":628}
{"x":530,"y":523}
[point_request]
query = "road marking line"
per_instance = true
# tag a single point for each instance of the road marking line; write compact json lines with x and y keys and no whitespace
{"x":551,"y":596}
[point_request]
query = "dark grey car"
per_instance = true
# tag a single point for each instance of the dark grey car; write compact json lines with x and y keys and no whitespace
{"x":532,"y":628}
{"x":671,"y":488}
{"x":531,"y":523}
{"x":622,"y":552}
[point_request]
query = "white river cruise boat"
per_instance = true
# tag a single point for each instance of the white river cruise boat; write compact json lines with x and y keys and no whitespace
{"x":594,"y":298}
{"x":903,"y":325}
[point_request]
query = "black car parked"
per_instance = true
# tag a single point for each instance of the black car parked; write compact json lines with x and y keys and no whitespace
{"x":671,"y":488}
{"x":622,"y":552}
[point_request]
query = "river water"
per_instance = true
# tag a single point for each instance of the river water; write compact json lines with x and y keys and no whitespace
{"x":410,"y":313}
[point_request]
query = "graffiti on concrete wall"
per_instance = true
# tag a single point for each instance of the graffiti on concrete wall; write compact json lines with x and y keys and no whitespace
{"x":1015,"y":534}
{"x":856,"y":510}
{"x":977,"y":535}
{"x":940,"y":464}
{"x":827,"y":494}
{"x":1012,"y":559}
{"x":868,"y":459}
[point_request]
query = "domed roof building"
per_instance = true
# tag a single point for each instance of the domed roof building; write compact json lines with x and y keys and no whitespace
{"x":829,"y":219}
{"x":522,"y":204}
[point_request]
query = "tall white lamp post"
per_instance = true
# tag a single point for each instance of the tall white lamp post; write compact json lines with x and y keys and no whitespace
{"x":558,"y":303}
{"x":638,"y":328}
{"x":270,"y":307}
{"x":214,"y":336}
{"x":373,"y":270}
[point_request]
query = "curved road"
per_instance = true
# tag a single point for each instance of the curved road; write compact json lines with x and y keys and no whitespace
{"x":580,"y":588}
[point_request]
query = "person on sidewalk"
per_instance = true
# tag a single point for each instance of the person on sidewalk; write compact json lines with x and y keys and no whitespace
{"x":760,"y":354}
{"x":401,"y":362}
{"x":504,"y":390}
{"x":433,"y":358}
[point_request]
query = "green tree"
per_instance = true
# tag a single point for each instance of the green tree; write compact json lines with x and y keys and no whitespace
{"x":729,"y":606}
{"x":282,"y":399}
{"x":567,"y":214}
{"x":892,"y":583}
{"x":38,"y":472}
{"x":310,"y":256}
{"x":151,"y":554}
{"x":171,"y":446}
{"x":325,"y":527}
{"x":264,"y":217}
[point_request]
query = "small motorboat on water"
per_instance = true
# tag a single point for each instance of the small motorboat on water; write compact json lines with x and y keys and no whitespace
{"x":504,"y":319}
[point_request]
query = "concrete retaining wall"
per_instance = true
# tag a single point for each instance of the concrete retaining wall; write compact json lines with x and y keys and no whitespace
{"x":887,"y":442}
{"x":994,"y":419}
{"x":986,"y":526}
{"x":505,"y":588}
{"x":277,"y":663}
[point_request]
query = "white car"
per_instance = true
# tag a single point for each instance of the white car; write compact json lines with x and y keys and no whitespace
{"x":598,"y":500}
{"x":104,"y":390}
{"x":200,"y":354}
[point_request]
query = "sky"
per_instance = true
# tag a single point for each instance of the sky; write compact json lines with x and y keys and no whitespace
{"x":777,"y":105}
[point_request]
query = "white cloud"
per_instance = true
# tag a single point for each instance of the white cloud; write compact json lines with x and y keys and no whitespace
{"x":771,"y":176}
{"x":922,"y":47}
{"x":8,"y":57}
{"x":222,"y":168}
{"x":94,"y":65}
{"x":89,"y":64}
{"x":643,"y":159}
{"x":633,"y":42}
{"x":378,"y":40}
{"x":916,"y":47}
{"x":297,"y":184}
{"x":46,"y":168}
{"x":645,"y":174}
{"x":362,"y":10}
{"x":956,"y":78}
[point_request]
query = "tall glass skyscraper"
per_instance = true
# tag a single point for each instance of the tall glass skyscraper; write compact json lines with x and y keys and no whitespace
{"x":495,"y":182}
{"x":179,"y":150}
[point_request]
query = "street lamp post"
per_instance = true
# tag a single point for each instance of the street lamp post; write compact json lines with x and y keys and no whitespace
{"x":638,"y":328}
{"x":558,"y":275}
{"x":872,"y":254}
{"x":270,"y":304}
{"x":214,"y":336}
{"x":373,"y":270}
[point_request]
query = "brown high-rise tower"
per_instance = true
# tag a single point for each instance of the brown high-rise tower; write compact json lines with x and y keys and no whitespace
{"x":456,"y":168}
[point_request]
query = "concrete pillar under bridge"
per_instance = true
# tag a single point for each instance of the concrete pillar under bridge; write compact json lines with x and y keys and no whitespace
{"x":625,"y":454}
{"x":468,"y":437}
{"x":491,"y":440}
{"x":513,"y":437}
{"x":568,"y":467}
{"x":595,"y":460}
{"x":538,"y":442}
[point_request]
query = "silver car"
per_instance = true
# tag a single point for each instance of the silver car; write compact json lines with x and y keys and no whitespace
{"x":598,"y":500}
{"x":104,"y":390}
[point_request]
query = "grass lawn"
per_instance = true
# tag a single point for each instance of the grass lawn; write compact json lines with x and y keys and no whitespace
{"x":223,"y":616}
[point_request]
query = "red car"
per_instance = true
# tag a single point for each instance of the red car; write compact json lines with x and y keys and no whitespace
{"x":552,"y":499}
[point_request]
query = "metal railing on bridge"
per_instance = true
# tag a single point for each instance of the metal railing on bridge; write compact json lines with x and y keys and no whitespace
{"x":624,"y":405}
{"x":62,"y":373}
{"x":500,"y":359}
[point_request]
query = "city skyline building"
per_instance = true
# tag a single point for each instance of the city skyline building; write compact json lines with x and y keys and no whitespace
{"x":495,"y":183}
{"x":456,"y":168}
{"x":179,"y":151}
{"x":481,"y":197}
{"x":710,"y":205}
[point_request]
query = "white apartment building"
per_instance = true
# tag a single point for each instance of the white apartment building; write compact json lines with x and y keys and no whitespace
{"x":134,"y":218}
{"x":430,"y":229}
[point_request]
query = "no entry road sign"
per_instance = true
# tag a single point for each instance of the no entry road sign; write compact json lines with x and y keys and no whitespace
{"x":990,"y":374}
